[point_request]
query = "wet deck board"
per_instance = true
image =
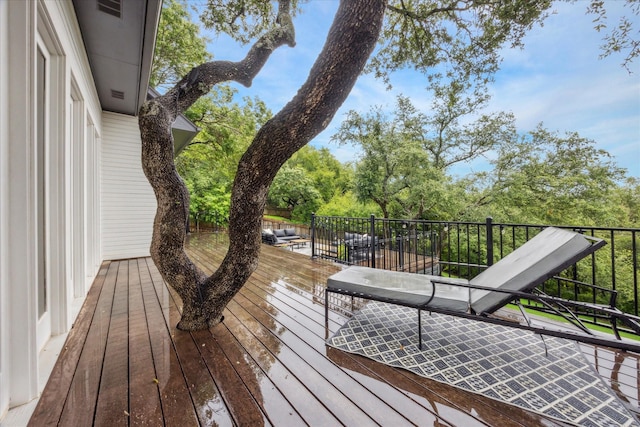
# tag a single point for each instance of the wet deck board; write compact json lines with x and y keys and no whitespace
{"x":125,"y":363}
{"x":144,"y":398}
{"x":176,"y":406}
{"x":80,"y":403}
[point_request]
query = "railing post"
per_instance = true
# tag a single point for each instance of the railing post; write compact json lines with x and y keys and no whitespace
{"x":313,"y":235}
{"x":489,"y":241}
{"x":636,"y":294}
{"x":372,"y":232}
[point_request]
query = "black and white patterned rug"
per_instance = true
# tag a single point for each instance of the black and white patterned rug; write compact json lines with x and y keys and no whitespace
{"x":502,"y":363}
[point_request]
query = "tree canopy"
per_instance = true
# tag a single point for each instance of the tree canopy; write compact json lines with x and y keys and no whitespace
{"x":549,"y":178}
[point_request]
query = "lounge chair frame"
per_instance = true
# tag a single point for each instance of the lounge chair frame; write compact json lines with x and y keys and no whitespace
{"x":341,"y":283}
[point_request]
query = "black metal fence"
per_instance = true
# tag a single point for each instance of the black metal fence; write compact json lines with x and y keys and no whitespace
{"x":464,"y":249}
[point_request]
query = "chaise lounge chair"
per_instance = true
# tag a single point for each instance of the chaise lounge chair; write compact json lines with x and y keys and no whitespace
{"x":515,"y":276}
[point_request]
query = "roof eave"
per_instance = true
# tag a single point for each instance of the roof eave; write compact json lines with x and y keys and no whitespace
{"x":154,"y":9}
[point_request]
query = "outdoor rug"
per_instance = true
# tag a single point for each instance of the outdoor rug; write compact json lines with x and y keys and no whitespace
{"x":501,"y":363}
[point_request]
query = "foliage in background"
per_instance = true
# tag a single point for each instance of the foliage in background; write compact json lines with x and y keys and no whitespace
{"x":208,"y":164}
{"x":179,"y":45}
{"x":548,"y":178}
{"x":327,"y":173}
{"x":620,"y":38}
{"x":405,"y":158}
{"x":294,"y":188}
{"x":308,"y":180}
{"x":403,"y":169}
{"x":347,"y":205}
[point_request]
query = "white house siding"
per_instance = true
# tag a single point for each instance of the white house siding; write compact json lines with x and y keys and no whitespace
{"x":4,"y":198}
{"x":128,"y":203}
{"x":57,"y":245}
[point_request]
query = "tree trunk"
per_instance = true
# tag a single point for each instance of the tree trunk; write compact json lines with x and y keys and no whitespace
{"x":351,"y":40}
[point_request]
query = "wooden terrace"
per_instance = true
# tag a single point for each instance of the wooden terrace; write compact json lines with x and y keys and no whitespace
{"x":125,"y":363}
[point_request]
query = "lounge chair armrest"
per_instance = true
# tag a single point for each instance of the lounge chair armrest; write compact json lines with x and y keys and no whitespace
{"x":611,"y":311}
{"x":451,"y":281}
{"x":612,"y":292}
{"x":465,"y":284}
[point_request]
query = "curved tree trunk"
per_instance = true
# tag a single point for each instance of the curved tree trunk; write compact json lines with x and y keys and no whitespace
{"x":349,"y":44}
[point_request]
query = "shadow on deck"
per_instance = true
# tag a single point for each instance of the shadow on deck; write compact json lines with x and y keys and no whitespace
{"x":125,"y":363}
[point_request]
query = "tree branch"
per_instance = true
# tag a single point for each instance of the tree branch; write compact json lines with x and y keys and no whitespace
{"x":202,"y":78}
{"x":409,"y":14}
{"x":155,"y":120}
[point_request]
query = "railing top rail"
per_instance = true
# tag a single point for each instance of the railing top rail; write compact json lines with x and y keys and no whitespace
{"x":495,"y":224}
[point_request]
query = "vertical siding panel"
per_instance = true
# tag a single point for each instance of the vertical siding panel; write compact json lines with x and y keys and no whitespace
{"x":128,"y":204}
{"x":4,"y":202}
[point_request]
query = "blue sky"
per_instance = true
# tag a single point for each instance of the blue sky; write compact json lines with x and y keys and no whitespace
{"x":557,"y":79}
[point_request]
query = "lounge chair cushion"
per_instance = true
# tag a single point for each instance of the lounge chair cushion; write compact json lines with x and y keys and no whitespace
{"x":355,"y":239}
{"x":548,"y":253}
{"x":279,"y":233}
{"x":413,"y":290}
{"x":289,"y":231}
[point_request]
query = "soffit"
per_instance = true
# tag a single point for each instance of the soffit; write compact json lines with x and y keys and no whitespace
{"x":119,"y":37}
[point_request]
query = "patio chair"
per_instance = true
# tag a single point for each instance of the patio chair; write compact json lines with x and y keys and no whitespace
{"x":515,"y":276}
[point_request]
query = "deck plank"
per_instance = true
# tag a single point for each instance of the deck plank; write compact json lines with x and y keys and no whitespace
{"x":377,"y":396}
{"x":296,"y":392}
{"x":265,"y":391}
{"x":380,"y":406}
{"x":207,"y":400}
{"x":243,"y":405}
{"x":145,"y":407}
{"x":273,"y":350}
{"x":358,"y":408}
{"x":244,"y":409}
{"x":112,"y":408}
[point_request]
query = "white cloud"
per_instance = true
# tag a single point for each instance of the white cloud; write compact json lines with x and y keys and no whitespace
{"x":559,"y":80}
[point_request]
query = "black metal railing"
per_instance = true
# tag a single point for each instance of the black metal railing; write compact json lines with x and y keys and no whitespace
{"x":464,"y":249}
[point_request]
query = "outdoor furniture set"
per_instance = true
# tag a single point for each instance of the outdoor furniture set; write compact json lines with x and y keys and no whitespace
{"x":284,"y":238}
{"x":274,"y":237}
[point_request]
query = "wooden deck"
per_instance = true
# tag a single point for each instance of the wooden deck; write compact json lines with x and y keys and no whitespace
{"x":124,"y":363}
